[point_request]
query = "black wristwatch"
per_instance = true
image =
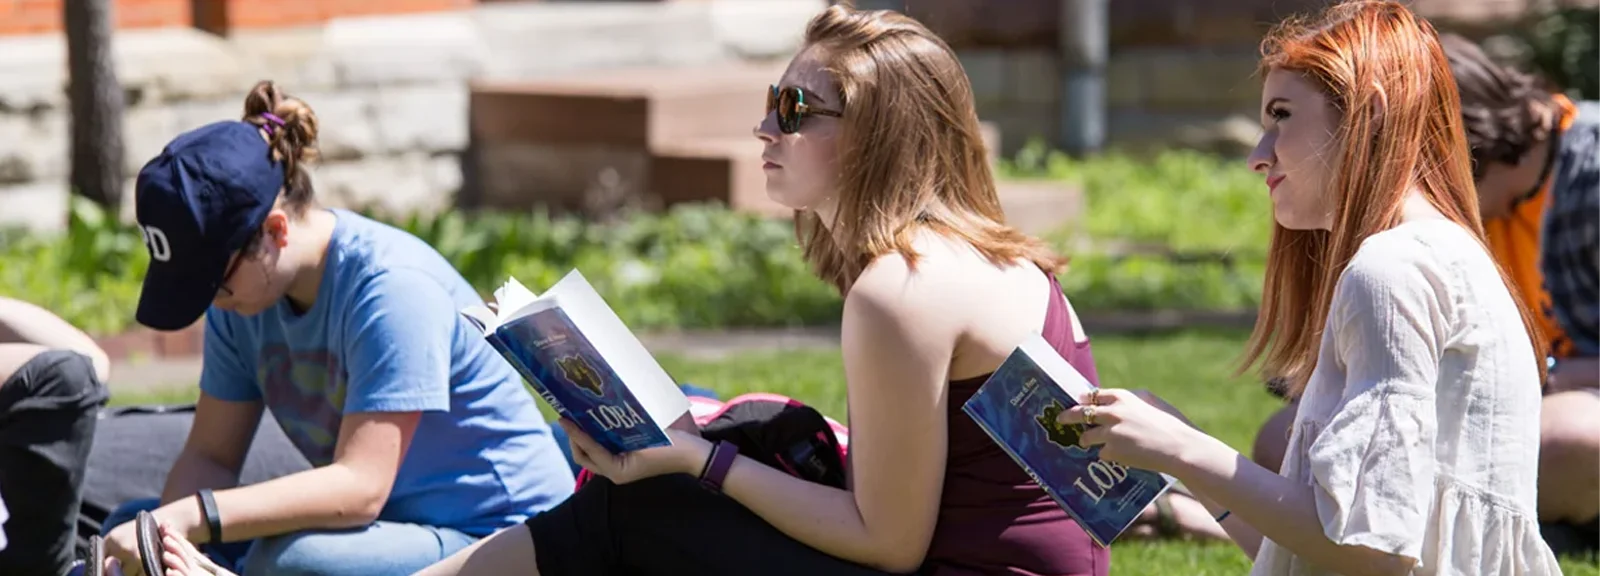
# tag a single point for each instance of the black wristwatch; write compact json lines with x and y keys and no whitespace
{"x":208,"y":510}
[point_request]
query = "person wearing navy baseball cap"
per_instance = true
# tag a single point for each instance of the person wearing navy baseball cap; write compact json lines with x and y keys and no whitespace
{"x":421,"y":438}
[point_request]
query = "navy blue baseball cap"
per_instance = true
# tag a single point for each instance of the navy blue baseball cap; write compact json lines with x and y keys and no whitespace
{"x":198,"y":202}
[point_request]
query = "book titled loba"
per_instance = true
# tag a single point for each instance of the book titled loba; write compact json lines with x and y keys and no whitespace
{"x":584,"y":362}
{"x":1017,"y":406}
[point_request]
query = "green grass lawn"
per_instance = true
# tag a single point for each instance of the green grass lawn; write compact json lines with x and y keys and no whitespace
{"x":1192,"y":370}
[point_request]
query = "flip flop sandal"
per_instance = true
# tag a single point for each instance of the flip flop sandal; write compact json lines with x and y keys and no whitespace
{"x":95,"y":564}
{"x":150,"y":545}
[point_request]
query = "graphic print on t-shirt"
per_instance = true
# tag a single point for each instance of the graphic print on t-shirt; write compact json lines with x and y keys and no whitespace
{"x":305,"y":390}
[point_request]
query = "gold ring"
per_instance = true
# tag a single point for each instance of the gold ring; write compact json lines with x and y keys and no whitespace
{"x":1094,"y":396}
{"x":1088,"y":415}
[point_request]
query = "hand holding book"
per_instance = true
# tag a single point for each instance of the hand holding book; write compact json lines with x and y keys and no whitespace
{"x":1129,"y":430}
{"x":1032,"y":407}
{"x":686,"y":454}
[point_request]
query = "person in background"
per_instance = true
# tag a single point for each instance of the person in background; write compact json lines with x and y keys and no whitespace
{"x":1536,"y":161}
{"x":52,"y":387}
{"x":420,"y":437}
{"x":1536,"y":167}
{"x":1414,"y":445}
{"x":872,"y":136}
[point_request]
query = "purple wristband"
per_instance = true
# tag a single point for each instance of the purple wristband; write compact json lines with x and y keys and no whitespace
{"x":717,"y":465}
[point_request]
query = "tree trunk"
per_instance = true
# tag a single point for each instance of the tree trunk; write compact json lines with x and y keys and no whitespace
{"x":96,"y":96}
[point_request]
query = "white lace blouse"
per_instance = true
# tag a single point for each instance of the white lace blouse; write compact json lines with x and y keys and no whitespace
{"x":1419,"y":428}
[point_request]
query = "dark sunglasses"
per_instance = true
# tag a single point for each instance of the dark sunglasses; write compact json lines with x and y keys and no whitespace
{"x":790,"y":103}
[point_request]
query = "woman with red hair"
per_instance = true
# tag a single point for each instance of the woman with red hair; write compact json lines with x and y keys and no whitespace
{"x":1415,"y":446}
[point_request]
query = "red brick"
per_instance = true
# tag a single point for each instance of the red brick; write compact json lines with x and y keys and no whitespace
{"x":218,"y":16}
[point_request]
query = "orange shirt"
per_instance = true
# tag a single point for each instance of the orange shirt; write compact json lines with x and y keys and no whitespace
{"x":1514,"y":242}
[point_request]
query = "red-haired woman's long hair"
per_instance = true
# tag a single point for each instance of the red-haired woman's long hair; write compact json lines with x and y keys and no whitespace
{"x":1383,"y":68}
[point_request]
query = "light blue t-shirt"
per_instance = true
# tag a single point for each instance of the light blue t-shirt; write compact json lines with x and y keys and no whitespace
{"x":386,"y":335}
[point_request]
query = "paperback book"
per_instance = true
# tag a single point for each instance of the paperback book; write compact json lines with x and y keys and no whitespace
{"x":583,"y":361}
{"x":1018,"y":405}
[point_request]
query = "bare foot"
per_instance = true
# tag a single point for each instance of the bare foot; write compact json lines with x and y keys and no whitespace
{"x":182,"y":559}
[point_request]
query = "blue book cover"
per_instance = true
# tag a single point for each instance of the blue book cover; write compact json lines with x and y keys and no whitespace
{"x":1018,"y":405}
{"x":579,"y":357}
{"x":572,"y":376}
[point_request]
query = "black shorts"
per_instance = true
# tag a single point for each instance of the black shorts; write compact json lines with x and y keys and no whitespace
{"x":669,"y":525}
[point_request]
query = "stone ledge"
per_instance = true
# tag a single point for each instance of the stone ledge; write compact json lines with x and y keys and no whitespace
{"x":523,"y":36}
{"x":421,"y":48}
{"x":179,"y":64}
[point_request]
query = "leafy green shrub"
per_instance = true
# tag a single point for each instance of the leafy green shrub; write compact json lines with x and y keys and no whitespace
{"x":1177,"y":230}
{"x":90,"y":275}
{"x":1097,"y":281}
{"x":694,"y":266}
{"x":1184,"y":200}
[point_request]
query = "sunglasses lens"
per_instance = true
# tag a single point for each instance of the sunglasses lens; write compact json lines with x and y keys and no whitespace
{"x":789,"y":109}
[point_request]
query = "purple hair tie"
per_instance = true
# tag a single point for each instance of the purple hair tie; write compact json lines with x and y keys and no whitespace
{"x":272,"y":119}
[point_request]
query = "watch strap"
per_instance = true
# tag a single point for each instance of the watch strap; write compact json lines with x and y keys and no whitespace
{"x":717,"y":465}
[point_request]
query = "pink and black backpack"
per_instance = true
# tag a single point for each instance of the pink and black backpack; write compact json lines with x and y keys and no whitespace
{"x":775,"y":430}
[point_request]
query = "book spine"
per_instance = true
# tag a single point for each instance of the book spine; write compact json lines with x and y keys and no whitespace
{"x":1062,"y":502}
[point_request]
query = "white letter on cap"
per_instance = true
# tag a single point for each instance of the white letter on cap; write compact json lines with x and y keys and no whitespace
{"x":157,"y":241}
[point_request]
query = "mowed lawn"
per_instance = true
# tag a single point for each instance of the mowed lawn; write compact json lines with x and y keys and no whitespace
{"x":1193,"y":370}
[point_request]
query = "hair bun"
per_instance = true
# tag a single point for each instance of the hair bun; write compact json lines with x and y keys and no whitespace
{"x":291,"y":128}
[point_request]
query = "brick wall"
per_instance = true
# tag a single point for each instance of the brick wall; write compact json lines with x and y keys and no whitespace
{"x":18,"y":17}
{"x":44,"y":16}
{"x":220,"y":16}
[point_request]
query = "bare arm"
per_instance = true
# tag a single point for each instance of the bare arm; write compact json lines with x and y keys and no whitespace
{"x":349,"y":492}
{"x":25,"y":323}
{"x":1241,"y":532}
{"x":214,"y":453}
{"x":1263,"y":502}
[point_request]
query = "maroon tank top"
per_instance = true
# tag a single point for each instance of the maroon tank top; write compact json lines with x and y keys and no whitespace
{"x":993,"y":518}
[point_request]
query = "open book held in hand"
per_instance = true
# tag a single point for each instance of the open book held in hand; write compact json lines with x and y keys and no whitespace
{"x":581,"y":358}
{"x":1018,"y":405}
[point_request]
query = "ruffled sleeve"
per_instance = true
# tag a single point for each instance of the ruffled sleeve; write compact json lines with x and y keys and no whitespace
{"x":1373,"y":463}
